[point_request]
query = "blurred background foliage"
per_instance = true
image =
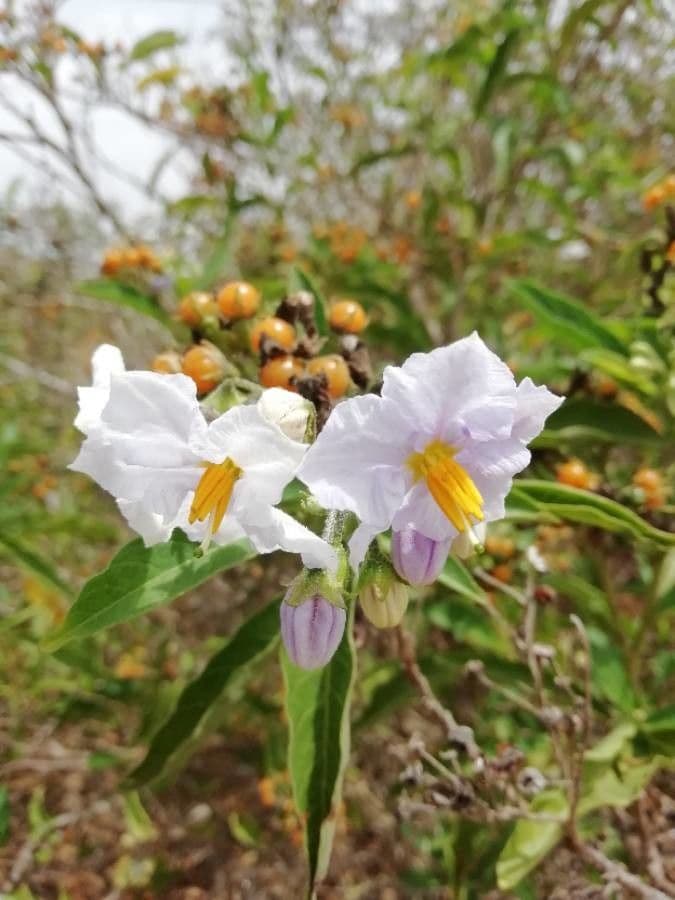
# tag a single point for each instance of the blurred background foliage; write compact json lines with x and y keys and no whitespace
{"x":500,"y":166}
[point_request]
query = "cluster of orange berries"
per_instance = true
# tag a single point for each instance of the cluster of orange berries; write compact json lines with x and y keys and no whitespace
{"x":346,"y":242}
{"x":137,"y":257}
{"x":659,"y":193}
{"x":237,"y":301}
{"x":650,"y":483}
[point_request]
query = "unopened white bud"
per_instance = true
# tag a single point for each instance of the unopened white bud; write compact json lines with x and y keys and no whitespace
{"x":290,"y":412}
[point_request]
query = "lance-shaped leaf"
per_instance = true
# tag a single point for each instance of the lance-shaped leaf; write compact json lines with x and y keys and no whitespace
{"x":35,"y":563}
{"x":588,"y":420}
{"x":153,"y":43}
{"x":318,"y":707}
{"x":141,"y":578}
{"x":124,"y":295}
{"x":248,"y":643}
{"x":587,"y":508}
{"x":571,"y":322}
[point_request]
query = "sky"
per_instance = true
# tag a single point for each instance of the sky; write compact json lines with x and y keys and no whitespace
{"x":129,"y":144}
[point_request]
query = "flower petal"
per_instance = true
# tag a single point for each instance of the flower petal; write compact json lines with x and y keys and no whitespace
{"x":273,"y":529}
{"x":420,"y":511}
{"x":452,"y":390}
{"x":140,"y":449}
{"x":357,"y":460}
{"x":106,"y":361}
{"x":359,"y":543}
{"x":268,"y":459}
{"x":535,"y":403}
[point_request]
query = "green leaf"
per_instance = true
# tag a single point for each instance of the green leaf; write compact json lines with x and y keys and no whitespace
{"x":612,"y":745}
{"x":618,"y":367}
{"x":661,"y":720}
{"x":602,"y":785}
{"x":300,"y":280}
{"x":124,"y":295}
{"x":457,"y":577}
{"x":588,"y":420}
{"x":32,"y":561}
{"x":4,"y":815}
{"x":247,"y":644}
{"x":160,"y":76}
{"x":530,"y":842}
{"x":469,"y":624}
{"x":609,"y":672}
{"x":318,"y":706}
{"x":665,"y":583}
{"x":496,"y":71}
{"x":619,"y":785}
{"x":589,"y":600}
{"x":141,"y":578}
{"x":152,"y":43}
{"x":576,"y":505}
{"x":567,"y":319}
{"x":220,"y":259}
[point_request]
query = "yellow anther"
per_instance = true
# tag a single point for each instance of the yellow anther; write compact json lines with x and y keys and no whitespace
{"x":449,"y":484}
{"x":214,"y":492}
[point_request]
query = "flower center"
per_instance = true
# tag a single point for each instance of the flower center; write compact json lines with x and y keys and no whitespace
{"x":213,"y":493}
{"x":449,"y":483}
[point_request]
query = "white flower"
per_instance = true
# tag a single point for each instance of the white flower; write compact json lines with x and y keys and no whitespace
{"x":106,"y":362}
{"x":437,"y":451}
{"x":149,"y":445}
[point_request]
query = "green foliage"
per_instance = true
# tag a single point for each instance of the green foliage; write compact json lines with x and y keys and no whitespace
{"x":253,"y":638}
{"x":153,"y":43}
{"x":587,"y":508}
{"x":318,"y":709}
{"x":124,"y":295}
{"x":566,"y":319}
{"x":469,"y":184}
{"x":140,"y":578}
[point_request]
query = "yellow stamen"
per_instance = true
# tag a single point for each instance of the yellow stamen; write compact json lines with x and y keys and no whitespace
{"x":449,"y":483}
{"x":213,"y":493}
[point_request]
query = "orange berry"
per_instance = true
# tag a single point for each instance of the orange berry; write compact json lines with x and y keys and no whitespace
{"x":349,"y":316}
{"x":500,"y":546}
{"x":279,"y":371}
{"x":205,"y":365}
{"x":336,"y":371}
{"x":196,"y":307}
{"x":413,"y":199}
{"x":654,"y":197}
{"x":238,"y":300}
{"x":655,"y":500}
{"x":574,"y":474}
{"x":112,"y":262}
{"x":167,"y":363}
{"x":275,"y":329}
{"x":148,"y":259}
{"x":266,"y":792}
{"x":648,"y":479}
{"x":132,"y":258}
{"x":503,"y":573}
{"x":670,"y":253}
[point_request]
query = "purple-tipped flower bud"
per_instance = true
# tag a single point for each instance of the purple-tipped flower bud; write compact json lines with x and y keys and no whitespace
{"x":312,"y":631}
{"x":417,"y":558}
